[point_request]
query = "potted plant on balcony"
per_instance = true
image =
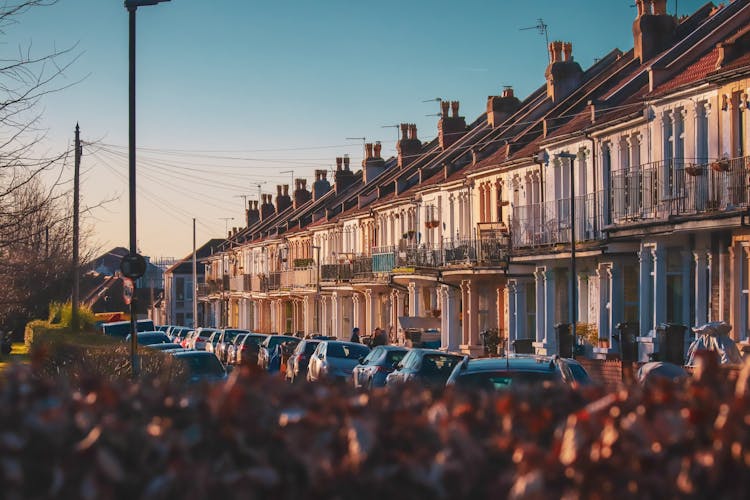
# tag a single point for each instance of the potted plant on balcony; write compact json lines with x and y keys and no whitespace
{"x":693,"y":170}
{"x":720,"y":165}
{"x":411,"y":233}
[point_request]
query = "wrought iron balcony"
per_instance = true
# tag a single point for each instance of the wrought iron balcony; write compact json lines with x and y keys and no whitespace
{"x":548,"y":224}
{"x":676,"y":188}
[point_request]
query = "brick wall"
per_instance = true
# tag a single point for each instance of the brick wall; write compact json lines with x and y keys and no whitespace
{"x":608,"y":372}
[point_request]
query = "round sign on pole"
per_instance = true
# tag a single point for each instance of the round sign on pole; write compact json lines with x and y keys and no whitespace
{"x":127,"y":290}
{"x":133,"y":266}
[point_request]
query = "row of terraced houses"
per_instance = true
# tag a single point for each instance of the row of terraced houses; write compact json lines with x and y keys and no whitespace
{"x":640,"y":159}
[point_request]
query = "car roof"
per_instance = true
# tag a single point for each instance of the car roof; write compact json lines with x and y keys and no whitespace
{"x":525,"y":363}
{"x":190,"y":353}
{"x":423,"y":351}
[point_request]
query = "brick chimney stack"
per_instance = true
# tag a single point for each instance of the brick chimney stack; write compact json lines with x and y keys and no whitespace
{"x":563,"y":73}
{"x":253,"y":214}
{"x":373,"y":165}
{"x":653,"y":29}
{"x":301,"y":194}
{"x":499,"y":108}
{"x":344,"y":177}
{"x":409,"y":146}
{"x":321,"y":185}
{"x":266,"y":208}
{"x":450,"y":129}
{"x":283,"y":201}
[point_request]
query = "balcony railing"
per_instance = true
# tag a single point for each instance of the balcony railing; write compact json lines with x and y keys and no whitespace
{"x":336,"y":272}
{"x":383,"y":259}
{"x":491,"y":250}
{"x":303,"y":277}
{"x":678,"y":188}
{"x":548,"y":223}
{"x":240,"y":283}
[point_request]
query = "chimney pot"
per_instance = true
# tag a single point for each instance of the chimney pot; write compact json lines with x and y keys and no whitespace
{"x":346,"y":162}
{"x":377,"y":148}
{"x":454,"y":108}
{"x":286,"y":189}
{"x":278,"y":190}
{"x":568,"y":51}
{"x":413,"y":131}
{"x":339,"y":161}
{"x":444,"y":105}
{"x":508,"y":92}
{"x":368,"y":150}
{"x":404,"y":130}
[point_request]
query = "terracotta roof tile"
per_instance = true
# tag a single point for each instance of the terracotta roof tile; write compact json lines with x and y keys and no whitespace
{"x":693,"y":73}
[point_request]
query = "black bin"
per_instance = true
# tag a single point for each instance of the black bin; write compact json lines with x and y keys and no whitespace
{"x":564,"y":339}
{"x":670,"y":340}
{"x":523,"y":346}
{"x":628,"y":341}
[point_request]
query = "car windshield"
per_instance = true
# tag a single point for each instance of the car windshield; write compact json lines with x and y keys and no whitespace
{"x":394,"y":357}
{"x":203,"y":365}
{"x":276,"y":340}
{"x":229,"y":336}
{"x":254,"y":339}
{"x":501,"y":380}
{"x":348,"y":351}
{"x":579,"y":374}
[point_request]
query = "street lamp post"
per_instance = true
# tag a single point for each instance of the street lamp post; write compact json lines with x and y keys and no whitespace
{"x":573,"y":289}
{"x":132,"y":6}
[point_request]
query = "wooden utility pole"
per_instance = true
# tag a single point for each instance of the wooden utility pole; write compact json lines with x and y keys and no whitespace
{"x":75,"y":320}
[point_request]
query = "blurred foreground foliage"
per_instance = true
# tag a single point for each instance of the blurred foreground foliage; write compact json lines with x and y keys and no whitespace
{"x":94,"y":436}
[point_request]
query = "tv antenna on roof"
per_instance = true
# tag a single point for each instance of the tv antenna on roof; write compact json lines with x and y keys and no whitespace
{"x":363,"y":139}
{"x":396,"y":126}
{"x":541,"y":28}
{"x":258,"y":185}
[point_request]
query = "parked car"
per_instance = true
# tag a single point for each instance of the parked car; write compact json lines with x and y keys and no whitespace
{"x":178,"y":333}
{"x":375,"y":367}
{"x":185,"y":342}
{"x":164,"y":347}
{"x":213,"y":339}
{"x":652,"y":371}
{"x":335,"y":360}
{"x":225,"y":339}
{"x":201,"y":366}
{"x":268,"y":348}
{"x":247,"y":351}
{"x":296,"y":365}
{"x":498,"y":374}
{"x":148,"y":338}
{"x":200,"y":337}
{"x":428,"y":366}
{"x":231,"y":357}
{"x":123,"y":328}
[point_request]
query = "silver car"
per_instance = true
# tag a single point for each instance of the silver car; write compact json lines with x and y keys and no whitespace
{"x":335,"y":360}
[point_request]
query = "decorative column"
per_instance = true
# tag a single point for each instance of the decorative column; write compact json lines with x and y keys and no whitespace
{"x":413,"y":300}
{"x":336,"y":315}
{"x":471,"y":345}
{"x":541,"y":317}
{"x":550,"y":341}
{"x":660,"y":285}
{"x":464,"y":313}
{"x":357,"y":316}
{"x":604,"y":326}
{"x":274,"y":316}
{"x":511,"y":319}
{"x":449,"y":318}
{"x":700,"y":259}
{"x":502,"y":313}
{"x":307,"y":317}
{"x":325,"y":314}
{"x":369,"y":325}
{"x":645,"y":291}
{"x":399,"y":312}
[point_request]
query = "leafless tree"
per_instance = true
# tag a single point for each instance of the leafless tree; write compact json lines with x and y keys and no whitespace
{"x":35,"y":218}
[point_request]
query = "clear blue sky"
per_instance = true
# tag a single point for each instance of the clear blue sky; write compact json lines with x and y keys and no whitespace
{"x":241,"y":90}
